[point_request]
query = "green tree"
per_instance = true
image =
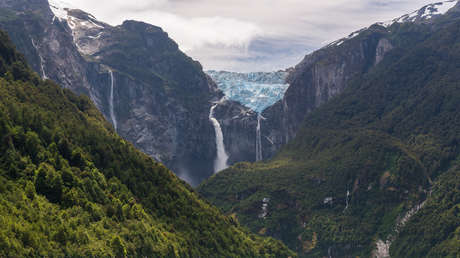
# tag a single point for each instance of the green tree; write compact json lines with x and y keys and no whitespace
{"x":49,"y":183}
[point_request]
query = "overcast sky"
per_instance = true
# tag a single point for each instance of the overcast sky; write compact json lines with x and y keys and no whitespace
{"x":251,"y":35}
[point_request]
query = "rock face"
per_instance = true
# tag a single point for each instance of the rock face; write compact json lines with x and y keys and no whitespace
{"x":255,"y":91}
{"x":239,"y":125}
{"x":160,"y":97}
{"x":325,"y":73}
{"x":321,"y":76}
{"x":335,"y":177}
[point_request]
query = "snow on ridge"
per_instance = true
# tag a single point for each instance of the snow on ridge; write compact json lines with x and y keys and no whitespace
{"x":445,"y":6}
{"x":427,"y":12}
{"x":342,"y":40}
{"x":59,"y":8}
{"x":85,"y":28}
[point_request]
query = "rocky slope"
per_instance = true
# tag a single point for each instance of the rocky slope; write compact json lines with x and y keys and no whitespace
{"x":325,"y":73}
{"x":357,"y":177}
{"x":71,"y":187}
{"x":154,"y":95}
{"x":321,"y":76}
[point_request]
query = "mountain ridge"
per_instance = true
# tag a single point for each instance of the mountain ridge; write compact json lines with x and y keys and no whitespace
{"x":70,"y":186}
{"x":323,"y":74}
{"x":367,"y":157}
{"x":161,"y":98}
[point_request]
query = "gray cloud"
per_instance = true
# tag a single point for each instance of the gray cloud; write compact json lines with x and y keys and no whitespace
{"x":257,"y":35}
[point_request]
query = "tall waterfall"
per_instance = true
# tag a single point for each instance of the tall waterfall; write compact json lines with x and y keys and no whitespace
{"x":42,"y":61}
{"x":112,"y":113}
{"x":259,"y":155}
{"x":347,"y":200}
{"x":221,"y":160}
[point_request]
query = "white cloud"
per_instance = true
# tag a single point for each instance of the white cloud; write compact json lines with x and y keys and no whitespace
{"x":198,"y":32}
{"x":251,"y":35}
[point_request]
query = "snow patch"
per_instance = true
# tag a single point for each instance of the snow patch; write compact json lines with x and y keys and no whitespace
{"x":97,"y":36}
{"x":83,"y":29}
{"x":343,"y":40}
{"x":425,"y":13}
{"x":60,"y":8}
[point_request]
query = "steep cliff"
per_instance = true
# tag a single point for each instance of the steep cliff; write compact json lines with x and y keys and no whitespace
{"x":239,"y":126}
{"x":154,"y":95}
{"x":71,"y":187}
{"x":321,"y":76}
{"x":363,"y":167}
{"x":325,"y":73}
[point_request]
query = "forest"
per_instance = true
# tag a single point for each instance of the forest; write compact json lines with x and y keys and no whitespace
{"x":71,"y":187}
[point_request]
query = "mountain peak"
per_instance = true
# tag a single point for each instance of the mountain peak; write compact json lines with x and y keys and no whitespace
{"x":71,"y":14}
{"x":60,"y":8}
{"x":423,"y":14}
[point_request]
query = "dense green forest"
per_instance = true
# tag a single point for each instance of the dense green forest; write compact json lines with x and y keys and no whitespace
{"x":389,"y":142}
{"x":435,"y":230}
{"x":70,"y":187}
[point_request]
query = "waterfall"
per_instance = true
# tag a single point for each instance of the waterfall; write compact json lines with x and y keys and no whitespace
{"x":112,"y":112}
{"x":259,"y":156}
{"x":221,"y":160}
{"x":347,"y":200}
{"x":42,"y":61}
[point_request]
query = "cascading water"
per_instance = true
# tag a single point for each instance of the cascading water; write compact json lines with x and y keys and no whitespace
{"x":112,"y":112}
{"x":347,"y":200}
{"x":259,"y":156}
{"x":42,"y":61}
{"x":221,"y":160}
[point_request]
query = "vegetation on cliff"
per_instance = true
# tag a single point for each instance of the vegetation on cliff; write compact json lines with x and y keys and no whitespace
{"x":69,"y":186}
{"x":366,"y":158}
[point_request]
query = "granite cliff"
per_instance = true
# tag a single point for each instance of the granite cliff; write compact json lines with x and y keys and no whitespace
{"x":153,"y":94}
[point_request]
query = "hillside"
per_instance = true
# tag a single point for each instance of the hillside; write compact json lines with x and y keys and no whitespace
{"x":69,"y":186}
{"x":155,"y":96}
{"x":366,"y":161}
{"x":327,"y":72}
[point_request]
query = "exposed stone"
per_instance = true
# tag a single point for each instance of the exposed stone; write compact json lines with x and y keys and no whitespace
{"x":161,"y":97}
{"x":321,"y":76}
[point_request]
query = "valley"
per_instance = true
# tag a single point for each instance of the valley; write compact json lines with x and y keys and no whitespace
{"x":366,"y":161}
{"x":116,"y":143}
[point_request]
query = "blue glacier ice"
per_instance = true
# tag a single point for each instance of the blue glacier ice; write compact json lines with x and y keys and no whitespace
{"x":254,"y":90}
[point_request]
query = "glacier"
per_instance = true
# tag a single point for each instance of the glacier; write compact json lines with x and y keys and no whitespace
{"x":256,"y":91}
